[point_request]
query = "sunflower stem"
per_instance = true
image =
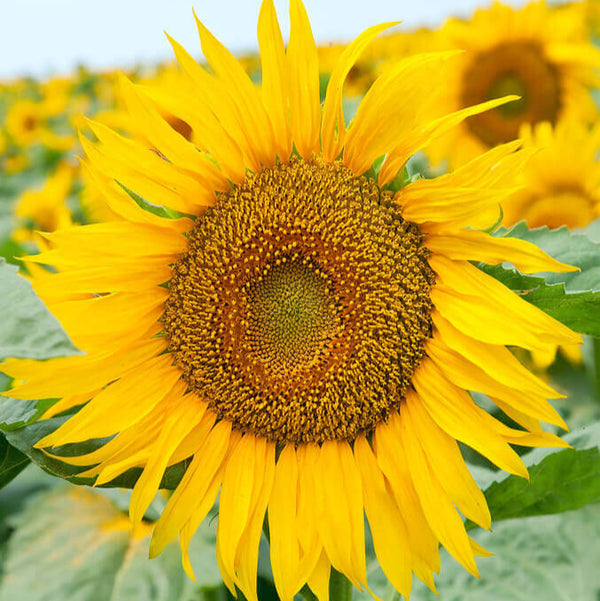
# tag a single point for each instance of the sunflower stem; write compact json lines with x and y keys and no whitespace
{"x":340,"y":588}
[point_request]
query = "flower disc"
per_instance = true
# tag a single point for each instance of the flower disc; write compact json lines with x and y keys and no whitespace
{"x":301,"y":307}
{"x":512,"y":68}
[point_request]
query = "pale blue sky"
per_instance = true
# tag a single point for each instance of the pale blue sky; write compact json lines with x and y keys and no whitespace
{"x":41,"y":37}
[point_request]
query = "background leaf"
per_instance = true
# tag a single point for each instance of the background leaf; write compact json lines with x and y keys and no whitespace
{"x":571,"y":298}
{"x":559,"y":480}
{"x":25,"y":438}
{"x":12,"y":462}
{"x":554,"y":558}
{"x":71,"y":543}
{"x":28,"y":329}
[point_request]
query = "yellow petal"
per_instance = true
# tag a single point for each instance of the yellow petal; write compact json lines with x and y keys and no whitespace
{"x":174,"y":429}
{"x":167,"y":140}
{"x":235,"y":501}
{"x":274,"y":77}
{"x":215,"y":95}
{"x":393,"y":463}
{"x":391,"y":108}
{"x":193,"y":491}
{"x":285,"y":554}
{"x":207,"y":501}
{"x":471,"y":245}
{"x":319,"y":579}
{"x":340,"y":518}
{"x":303,"y":82}
{"x":397,"y":157}
{"x":245,"y":96}
{"x":497,"y":361}
{"x":468,"y":297}
{"x":470,"y":377}
{"x":390,"y":537}
{"x":66,"y":376}
{"x":446,"y":463}
{"x":438,"y":508}
{"x":333,"y":128}
{"x":120,"y":404}
{"x":247,"y":554}
{"x":455,"y":412}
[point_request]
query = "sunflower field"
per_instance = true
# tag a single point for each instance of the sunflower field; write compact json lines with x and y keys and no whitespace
{"x":320,"y":322}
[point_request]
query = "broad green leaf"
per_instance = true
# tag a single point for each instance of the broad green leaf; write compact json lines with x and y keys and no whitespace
{"x":75,"y":545}
{"x":577,"y":310}
{"x":12,"y":462}
{"x":28,"y":329}
{"x":15,"y":413}
{"x":551,"y":558}
{"x":559,"y":480}
{"x":25,"y":438}
{"x":15,"y":496}
{"x":571,"y":298}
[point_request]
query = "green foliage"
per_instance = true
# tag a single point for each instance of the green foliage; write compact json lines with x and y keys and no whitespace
{"x":25,"y":438}
{"x":73,"y":543}
{"x":571,"y":298}
{"x":559,"y":480}
{"x":12,"y":462}
{"x":28,"y":329}
{"x":15,"y":414}
{"x":553,"y":558}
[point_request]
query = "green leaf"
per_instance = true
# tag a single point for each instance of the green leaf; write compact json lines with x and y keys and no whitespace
{"x":578,"y":310}
{"x":72,"y":543}
{"x":12,"y":462}
{"x":15,"y":413}
{"x":554,"y":558}
{"x":28,"y":329}
{"x":571,"y":298}
{"x":160,"y":211}
{"x":578,"y":249}
{"x":25,"y":438}
{"x":559,"y":480}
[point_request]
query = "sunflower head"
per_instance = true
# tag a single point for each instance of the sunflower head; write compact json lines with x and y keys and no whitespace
{"x":271,"y":308}
{"x":301,"y":306}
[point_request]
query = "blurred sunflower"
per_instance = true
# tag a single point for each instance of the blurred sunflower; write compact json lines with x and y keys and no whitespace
{"x":537,"y":52}
{"x":27,"y":123}
{"x":561,"y":183}
{"x":46,"y":209}
{"x":560,"y":186}
{"x":302,"y":334}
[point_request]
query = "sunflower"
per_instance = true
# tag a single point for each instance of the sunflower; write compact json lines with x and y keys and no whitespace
{"x":561,"y":182}
{"x":539,"y":53}
{"x":301,"y":333}
{"x":27,"y":123}
{"x":46,"y":209}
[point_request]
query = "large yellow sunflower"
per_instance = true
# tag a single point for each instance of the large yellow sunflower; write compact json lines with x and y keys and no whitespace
{"x":302,"y":334}
{"x":538,"y":52}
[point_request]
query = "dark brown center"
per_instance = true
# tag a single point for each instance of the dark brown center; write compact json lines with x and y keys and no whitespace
{"x":512,"y":68}
{"x":301,"y":307}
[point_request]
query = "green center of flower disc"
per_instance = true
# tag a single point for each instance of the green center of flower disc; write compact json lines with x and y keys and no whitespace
{"x":519,"y":68}
{"x":291,"y":315}
{"x":301,"y":307}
